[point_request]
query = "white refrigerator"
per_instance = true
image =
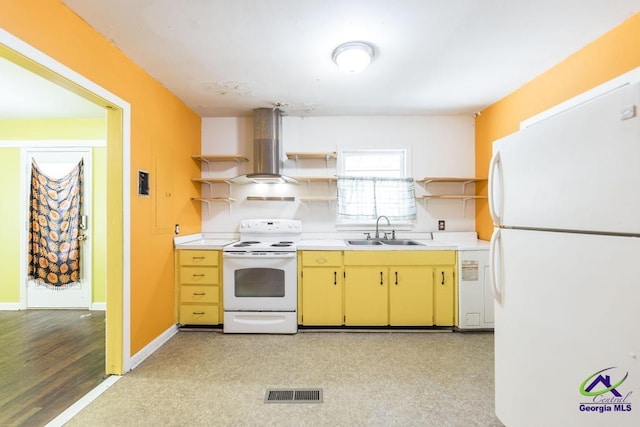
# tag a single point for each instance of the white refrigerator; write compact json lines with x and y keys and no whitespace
{"x":564,"y":196}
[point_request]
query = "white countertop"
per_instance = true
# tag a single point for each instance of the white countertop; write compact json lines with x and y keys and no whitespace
{"x":341,"y":245}
{"x":463,"y":241}
{"x":201,"y":241}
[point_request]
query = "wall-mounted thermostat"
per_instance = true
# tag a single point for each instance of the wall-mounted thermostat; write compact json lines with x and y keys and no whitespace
{"x":143,"y":183}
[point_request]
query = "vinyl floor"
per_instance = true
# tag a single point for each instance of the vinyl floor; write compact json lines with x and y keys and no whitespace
{"x":367,"y":378}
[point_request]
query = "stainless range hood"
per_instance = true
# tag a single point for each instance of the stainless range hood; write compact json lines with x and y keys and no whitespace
{"x":267,"y":128}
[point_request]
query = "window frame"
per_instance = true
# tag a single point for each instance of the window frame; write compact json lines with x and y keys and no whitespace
{"x":344,"y":153}
{"x":404,"y":173}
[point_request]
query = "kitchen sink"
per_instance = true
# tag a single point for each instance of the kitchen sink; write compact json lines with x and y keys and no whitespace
{"x":401,"y":242}
{"x":393,"y":242}
{"x":364,"y":242}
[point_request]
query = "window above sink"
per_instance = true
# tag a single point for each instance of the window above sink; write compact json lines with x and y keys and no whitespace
{"x":372,"y":183}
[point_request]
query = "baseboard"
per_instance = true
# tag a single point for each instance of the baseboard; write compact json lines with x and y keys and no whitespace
{"x":83,"y":402}
{"x":99,"y":306}
{"x":150,"y":348}
{"x":15,"y":306}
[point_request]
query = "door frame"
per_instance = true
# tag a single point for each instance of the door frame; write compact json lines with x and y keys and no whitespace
{"x":28,"y":149}
{"x":118,"y":313}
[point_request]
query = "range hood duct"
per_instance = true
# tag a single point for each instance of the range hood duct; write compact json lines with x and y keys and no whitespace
{"x":267,"y":155}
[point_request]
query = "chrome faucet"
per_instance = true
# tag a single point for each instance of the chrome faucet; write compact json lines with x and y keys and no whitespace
{"x":377,"y":236}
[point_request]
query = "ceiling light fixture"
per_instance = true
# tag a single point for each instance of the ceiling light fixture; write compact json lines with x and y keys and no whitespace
{"x":353,"y":57}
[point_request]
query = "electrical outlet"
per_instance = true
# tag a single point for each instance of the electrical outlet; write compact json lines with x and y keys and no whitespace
{"x":177,"y":229}
{"x":441,"y":225}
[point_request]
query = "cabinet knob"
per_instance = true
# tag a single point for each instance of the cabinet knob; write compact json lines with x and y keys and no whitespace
{"x":321,"y":260}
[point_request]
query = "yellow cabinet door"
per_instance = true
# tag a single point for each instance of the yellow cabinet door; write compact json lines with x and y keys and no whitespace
{"x":411,"y":296}
{"x":322,"y":296}
{"x":366,"y":296}
{"x":443,"y":293}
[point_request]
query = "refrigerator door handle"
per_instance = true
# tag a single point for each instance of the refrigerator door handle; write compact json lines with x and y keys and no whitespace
{"x":493,"y":258}
{"x":494,"y":166}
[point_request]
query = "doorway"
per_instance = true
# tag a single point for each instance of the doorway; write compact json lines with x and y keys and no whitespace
{"x":77,"y":292}
{"x":117,"y":194}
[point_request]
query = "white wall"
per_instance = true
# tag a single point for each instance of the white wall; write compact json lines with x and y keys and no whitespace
{"x":437,"y":145}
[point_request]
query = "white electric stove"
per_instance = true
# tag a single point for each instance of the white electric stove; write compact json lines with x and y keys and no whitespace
{"x":260,"y":278}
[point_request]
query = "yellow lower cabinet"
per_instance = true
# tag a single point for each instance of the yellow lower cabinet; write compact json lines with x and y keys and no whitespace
{"x":444,"y":296}
{"x":377,"y":288}
{"x":411,"y":296}
{"x":322,"y":296}
{"x":198,"y":287}
{"x":366,"y":296}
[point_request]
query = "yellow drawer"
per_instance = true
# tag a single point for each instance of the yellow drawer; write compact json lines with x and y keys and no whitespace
{"x":399,"y":257}
{"x":198,"y":275}
{"x":201,"y":294}
{"x":189,"y":257}
{"x":197,"y":314}
{"x":321,"y":258}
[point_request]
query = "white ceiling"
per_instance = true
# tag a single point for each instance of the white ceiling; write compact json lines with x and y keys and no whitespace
{"x":224,"y":58}
{"x":27,"y":95}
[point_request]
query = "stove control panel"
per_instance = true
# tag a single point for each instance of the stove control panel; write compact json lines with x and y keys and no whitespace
{"x":270,"y":226}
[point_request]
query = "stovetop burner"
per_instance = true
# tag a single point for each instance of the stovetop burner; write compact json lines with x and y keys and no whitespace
{"x":245,"y":244}
{"x":266,"y":235}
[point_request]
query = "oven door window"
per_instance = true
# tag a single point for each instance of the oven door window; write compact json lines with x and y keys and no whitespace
{"x":259,"y":283}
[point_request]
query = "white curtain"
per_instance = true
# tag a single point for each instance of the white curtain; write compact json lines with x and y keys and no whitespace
{"x":366,"y":198}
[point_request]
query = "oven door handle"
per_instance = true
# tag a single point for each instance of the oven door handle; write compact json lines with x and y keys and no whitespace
{"x":259,"y":255}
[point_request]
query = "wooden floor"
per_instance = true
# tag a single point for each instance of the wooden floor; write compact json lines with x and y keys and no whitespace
{"x":48,"y":360}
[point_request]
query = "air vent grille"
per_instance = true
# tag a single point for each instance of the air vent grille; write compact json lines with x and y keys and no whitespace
{"x":293,"y":395}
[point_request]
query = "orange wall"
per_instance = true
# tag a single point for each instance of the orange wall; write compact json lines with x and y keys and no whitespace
{"x":613,"y":54}
{"x":161,"y":126}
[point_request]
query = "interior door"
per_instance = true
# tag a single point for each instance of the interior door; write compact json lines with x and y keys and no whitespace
{"x":55,"y":164}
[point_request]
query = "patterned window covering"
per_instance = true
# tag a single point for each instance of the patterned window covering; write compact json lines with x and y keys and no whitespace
{"x":366,"y":198}
{"x":54,"y":219}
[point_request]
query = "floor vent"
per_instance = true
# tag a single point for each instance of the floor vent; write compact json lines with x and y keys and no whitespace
{"x":293,"y":395}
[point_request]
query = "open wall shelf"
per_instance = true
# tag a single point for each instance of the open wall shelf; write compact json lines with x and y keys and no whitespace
{"x":326,"y":156}
{"x":219,"y":158}
{"x":461,"y":180}
{"x":312,"y":199}
{"x":213,"y":158}
{"x":209,"y":200}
